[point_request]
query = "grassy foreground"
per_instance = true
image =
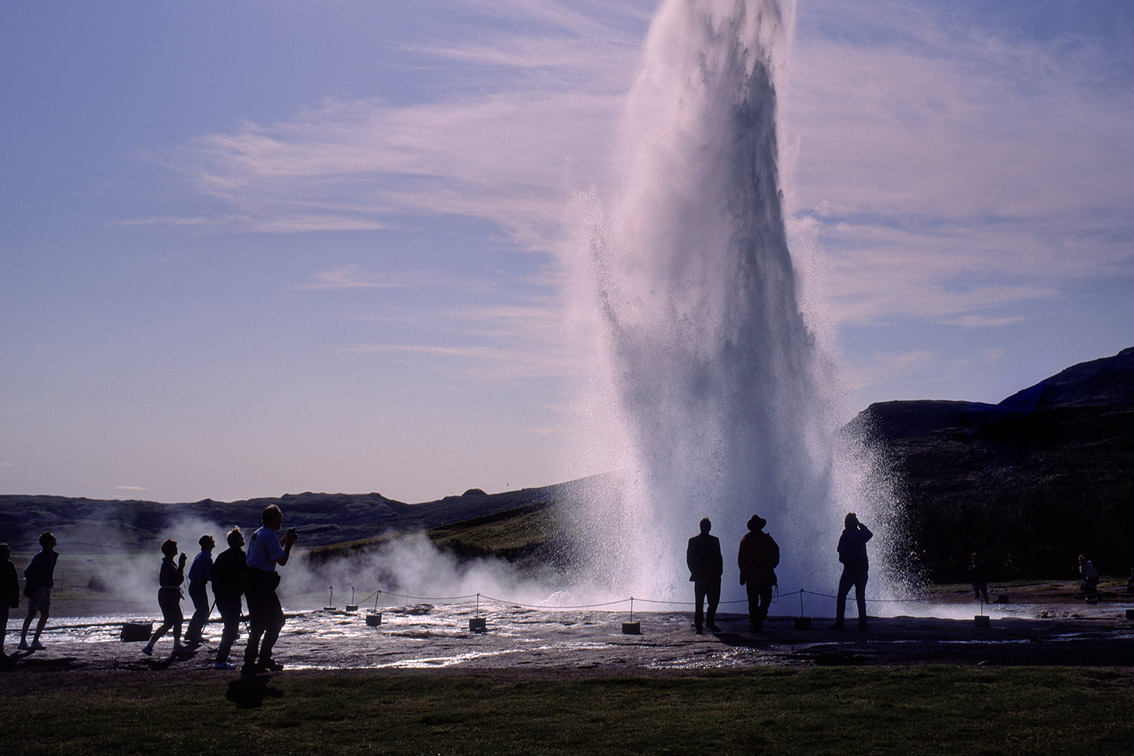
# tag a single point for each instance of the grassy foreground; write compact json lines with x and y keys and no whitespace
{"x":918,"y":710}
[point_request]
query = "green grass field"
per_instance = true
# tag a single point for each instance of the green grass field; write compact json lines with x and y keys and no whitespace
{"x":869,"y":710}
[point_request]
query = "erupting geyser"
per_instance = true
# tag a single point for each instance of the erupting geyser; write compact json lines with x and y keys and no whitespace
{"x":708,"y":368}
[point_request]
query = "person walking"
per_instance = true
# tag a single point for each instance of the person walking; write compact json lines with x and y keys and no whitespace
{"x":703,"y":556}
{"x":979,"y":577}
{"x":852,"y":553}
{"x":9,"y":592}
{"x":228,"y":578}
{"x":758,"y":557}
{"x":266,"y":550}
{"x":199,"y":573}
{"x":39,"y":579}
{"x":170,"y":577}
{"x":1090,"y":575}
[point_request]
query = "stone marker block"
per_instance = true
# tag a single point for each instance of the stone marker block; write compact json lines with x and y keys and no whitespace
{"x":478,"y":625}
{"x":802,"y":623}
{"x":374,"y":619}
{"x":631,"y":628}
{"x":137,"y":631}
{"x":982,"y":620}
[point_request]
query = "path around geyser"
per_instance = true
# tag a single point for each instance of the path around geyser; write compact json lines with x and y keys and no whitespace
{"x":543,"y":643}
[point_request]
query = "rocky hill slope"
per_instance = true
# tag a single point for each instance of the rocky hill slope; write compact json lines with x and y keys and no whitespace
{"x":1031,"y":482}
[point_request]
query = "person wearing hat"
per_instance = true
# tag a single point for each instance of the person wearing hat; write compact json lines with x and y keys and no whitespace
{"x":758,"y":557}
{"x":703,"y":556}
{"x":199,"y":574}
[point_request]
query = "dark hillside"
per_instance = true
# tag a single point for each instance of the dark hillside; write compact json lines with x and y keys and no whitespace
{"x":1031,"y":482}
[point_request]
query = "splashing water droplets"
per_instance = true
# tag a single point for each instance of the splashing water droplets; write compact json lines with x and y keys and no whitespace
{"x":706,"y":366}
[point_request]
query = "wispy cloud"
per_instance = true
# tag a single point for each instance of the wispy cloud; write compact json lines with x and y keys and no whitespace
{"x":983,"y":321}
{"x":948,"y":171}
{"x":951,"y":169}
{"x":507,"y":148}
{"x":344,"y":277}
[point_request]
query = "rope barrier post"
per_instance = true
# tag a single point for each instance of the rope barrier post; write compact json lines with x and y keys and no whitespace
{"x":981,"y":620}
{"x":374,"y":618}
{"x":352,"y":607}
{"x":330,"y":607}
{"x":631,"y":627}
{"x":802,"y":622}
{"x":478,"y":624}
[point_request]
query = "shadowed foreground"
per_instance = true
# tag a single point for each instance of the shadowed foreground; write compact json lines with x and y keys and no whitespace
{"x":949,"y":709}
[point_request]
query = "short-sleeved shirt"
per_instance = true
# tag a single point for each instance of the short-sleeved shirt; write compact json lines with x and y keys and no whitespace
{"x":264,"y":549}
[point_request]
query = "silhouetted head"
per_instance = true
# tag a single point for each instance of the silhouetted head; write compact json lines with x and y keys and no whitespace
{"x":207,"y":543}
{"x":235,"y":538}
{"x":169,"y":548}
{"x":272,"y":516}
{"x":851,"y":520}
{"x":5,"y":552}
{"x":756,"y":523}
{"x":1082,"y":558}
{"x":706,"y":525}
{"x":47,"y":540}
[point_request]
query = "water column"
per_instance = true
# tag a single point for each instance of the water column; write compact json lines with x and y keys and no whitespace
{"x":706,"y":361}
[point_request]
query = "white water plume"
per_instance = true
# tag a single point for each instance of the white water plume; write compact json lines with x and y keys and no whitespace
{"x":709,"y":378}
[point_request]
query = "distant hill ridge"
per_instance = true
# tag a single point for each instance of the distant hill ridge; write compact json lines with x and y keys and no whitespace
{"x":321,"y":518}
{"x":1106,"y":382}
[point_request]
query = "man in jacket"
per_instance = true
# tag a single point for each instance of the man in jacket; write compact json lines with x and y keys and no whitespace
{"x":757,"y":558}
{"x":852,"y":553}
{"x":9,"y":591}
{"x":228,"y":579}
{"x":703,"y":556}
{"x":39,"y":579}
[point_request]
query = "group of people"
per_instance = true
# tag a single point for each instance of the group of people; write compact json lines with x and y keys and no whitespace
{"x":757,"y":557}
{"x":39,"y":577}
{"x":235,"y":576}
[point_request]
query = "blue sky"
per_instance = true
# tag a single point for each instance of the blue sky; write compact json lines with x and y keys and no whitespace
{"x":254,"y":248}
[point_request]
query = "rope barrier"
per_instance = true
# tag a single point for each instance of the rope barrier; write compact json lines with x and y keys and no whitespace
{"x":664,"y":602}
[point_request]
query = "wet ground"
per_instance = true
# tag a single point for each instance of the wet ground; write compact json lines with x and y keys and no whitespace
{"x":438,"y":636}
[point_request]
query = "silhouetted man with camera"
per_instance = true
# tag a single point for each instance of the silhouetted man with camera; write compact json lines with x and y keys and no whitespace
{"x":266,"y":549}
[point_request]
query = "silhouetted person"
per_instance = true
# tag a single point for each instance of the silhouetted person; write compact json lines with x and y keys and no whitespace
{"x":39,"y":578}
{"x":852,"y":553}
{"x":199,"y":573}
{"x":757,"y":558}
{"x":703,"y":556}
{"x":228,"y":580}
{"x":170,"y":577}
{"x":1089,"y":574}
{"x":979,"y":577}
{"x":265,"y":615}
{"x":9,"y":591}
{"x":1130,"y":581}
